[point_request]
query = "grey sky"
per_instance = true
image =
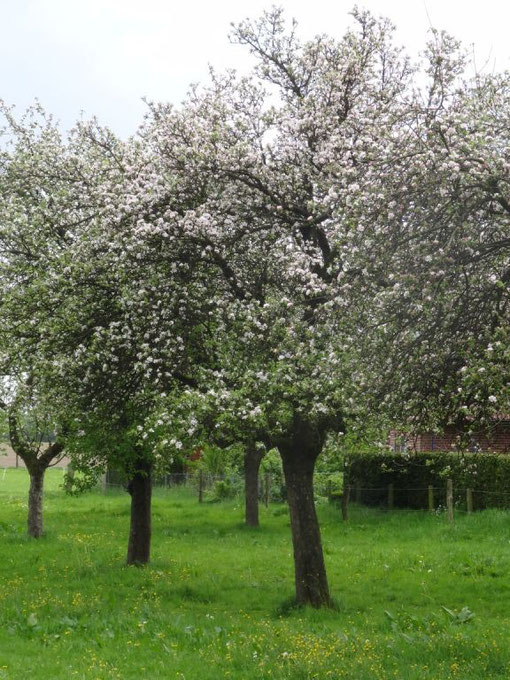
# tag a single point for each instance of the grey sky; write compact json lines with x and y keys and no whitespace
{"x":102,"y":56}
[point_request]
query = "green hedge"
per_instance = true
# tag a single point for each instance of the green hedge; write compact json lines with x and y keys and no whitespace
{"x":487,"y":474}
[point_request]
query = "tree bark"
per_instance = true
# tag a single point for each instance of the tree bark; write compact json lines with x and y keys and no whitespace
{"x":140,"y":489}
{"x":252,"y":460}
{"x":310,"y":571}
{"x":35,"y":502}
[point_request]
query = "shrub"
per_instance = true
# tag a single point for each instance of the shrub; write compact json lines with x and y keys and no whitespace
{"x":272,"y":465}
{"x":226,"y":488}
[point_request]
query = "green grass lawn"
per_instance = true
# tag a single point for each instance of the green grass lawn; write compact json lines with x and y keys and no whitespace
{"x":212,"y":603}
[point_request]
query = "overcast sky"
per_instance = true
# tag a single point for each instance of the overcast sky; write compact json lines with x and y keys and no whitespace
{"x":100,"y":57}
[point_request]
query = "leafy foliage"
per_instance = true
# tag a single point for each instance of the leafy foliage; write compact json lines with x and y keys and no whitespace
{"x":487,"y":474}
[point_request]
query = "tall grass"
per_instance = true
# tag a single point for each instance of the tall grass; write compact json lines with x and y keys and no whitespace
{"x":417,"y":598}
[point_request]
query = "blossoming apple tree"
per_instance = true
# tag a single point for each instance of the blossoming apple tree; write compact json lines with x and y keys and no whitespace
{"x":330,"y":213}
{"x":280,"y":168}
{"x":78,"y":313}
{"x":439,"y":225}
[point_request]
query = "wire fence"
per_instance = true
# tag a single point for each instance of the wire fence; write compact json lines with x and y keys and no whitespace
{"x":331,"y":487}
{"x":445,"y":498}
{"x":328,"y":487}
{"x":207,"y":486}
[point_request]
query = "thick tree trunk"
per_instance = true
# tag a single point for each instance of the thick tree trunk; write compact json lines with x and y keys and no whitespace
{"x":252,"y":460}
{"x":140,"y":488}
{"x":310,"y":572}
{"x":35,"y":502}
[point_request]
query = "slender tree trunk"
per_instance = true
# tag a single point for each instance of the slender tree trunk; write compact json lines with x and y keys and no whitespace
{"x":252,"y":460}
{"x":310,"y":571}
{"x":35,"y":502}
{"x":140,"y":488}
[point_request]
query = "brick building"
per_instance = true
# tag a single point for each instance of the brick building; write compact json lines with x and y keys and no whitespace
{"x":496,"y":440}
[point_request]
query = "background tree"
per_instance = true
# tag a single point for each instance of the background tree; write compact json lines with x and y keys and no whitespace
{"x":97,"y":269}
{"x":58,"y":299}
{"x":439,"y":226}
{"x":30,"y":431}
{"x":37,"y":216}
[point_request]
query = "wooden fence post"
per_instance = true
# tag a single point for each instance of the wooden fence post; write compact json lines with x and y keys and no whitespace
{"x":266,"y":490}
{"x":469,"y":500}
{"x":431,"y":498}
{"x":449,"y":499}
{"x":69,"y":479}
{"x":358,"y":493}
{"x":345,"y":501}
{"x":200,"y":485}
{"x":391,"y":496}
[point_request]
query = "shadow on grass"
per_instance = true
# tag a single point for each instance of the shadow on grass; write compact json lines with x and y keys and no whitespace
{"x":291,"y":606}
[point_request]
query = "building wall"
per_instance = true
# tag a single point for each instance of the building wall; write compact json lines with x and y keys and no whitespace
{"x":498,"y":440}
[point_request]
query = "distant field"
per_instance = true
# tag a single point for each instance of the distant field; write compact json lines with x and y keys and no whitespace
{"x":416,"y":598}
{"x":8,"y":458}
